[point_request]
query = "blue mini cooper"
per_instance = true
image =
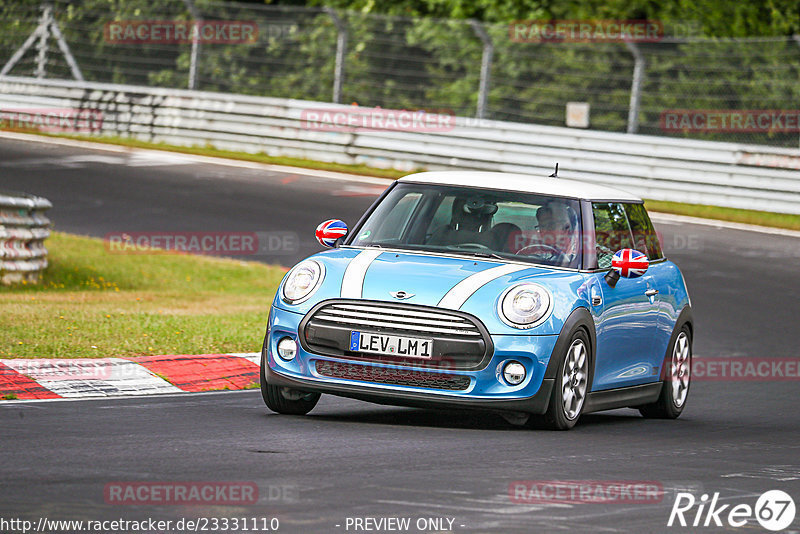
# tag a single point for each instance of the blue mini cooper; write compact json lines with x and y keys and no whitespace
{"x":537,"y":298}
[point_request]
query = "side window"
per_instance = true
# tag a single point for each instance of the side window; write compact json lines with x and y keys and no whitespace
{"x":612,"y":231}
{"x":644,"y":235}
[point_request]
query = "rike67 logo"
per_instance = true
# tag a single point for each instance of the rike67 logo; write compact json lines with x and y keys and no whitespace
{"x":774,"y":510}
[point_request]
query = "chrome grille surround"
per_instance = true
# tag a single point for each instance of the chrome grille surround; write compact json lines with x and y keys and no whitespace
{"x":397,"y":318}
{"x":460,"y":340}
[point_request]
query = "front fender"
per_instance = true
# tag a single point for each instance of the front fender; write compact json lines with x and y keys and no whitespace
{"x":566,"y":290}
{"x":579,"y":318}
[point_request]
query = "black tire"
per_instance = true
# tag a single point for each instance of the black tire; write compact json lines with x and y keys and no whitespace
{"x":559,"y":417}
{"x":667,"y":407}
{"x":276,"y":397}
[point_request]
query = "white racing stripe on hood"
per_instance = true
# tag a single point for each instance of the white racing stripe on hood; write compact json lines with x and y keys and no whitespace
{"x":353,"y":279}
{"x":456,"y":297}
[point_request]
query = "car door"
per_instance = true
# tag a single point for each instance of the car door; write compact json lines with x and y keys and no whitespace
{"x":661,"y":272}
{"x":628,"y":314}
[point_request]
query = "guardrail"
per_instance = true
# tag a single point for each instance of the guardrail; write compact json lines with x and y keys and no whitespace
{"x":660,"y":168}
{"x":23,"y":229}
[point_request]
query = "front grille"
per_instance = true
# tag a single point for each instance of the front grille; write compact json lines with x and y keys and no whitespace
{"x":406,"y":318}
{"x":460,"y":341}
{"x":397,"y":377}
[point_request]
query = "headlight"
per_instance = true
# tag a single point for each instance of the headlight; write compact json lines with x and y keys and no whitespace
{"x":525,"y":305}
{"x":302,"y":281}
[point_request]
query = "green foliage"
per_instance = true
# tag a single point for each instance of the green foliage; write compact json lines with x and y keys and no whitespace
{"x":717,"y":18}
{"x":416,"y":54}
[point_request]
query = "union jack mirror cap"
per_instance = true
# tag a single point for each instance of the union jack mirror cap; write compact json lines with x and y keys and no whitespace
{"x":329,"y":231}
{"x":630,"y":263}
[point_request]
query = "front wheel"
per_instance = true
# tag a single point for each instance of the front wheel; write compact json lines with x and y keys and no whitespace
{"x":285,"y":400}
{"x":675,"y":390}
{"x":571,"y":385}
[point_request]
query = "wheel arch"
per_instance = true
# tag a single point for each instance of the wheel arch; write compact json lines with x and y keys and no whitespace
{"x":685,"y":318}
{"x":579,"y":318}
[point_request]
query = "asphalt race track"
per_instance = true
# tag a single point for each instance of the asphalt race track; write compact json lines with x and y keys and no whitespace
{"x":355,"y":460}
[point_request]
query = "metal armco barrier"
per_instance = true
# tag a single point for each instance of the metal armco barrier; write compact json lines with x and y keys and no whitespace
{"x":660,"y":168}
{"x":23,"y":229}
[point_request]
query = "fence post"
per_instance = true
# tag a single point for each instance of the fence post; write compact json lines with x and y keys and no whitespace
{"x":41,"y":46}
{"x":341,"y":48}
{"x":797,"y":40}
{"x":47,"y":24}
{"x":486,"y":67}
{"x":195,"y":45}
{"x":636,"y":86}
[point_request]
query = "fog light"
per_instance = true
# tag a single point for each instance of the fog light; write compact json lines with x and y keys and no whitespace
{"x":287,"y":348}
{"x":514,"y":373}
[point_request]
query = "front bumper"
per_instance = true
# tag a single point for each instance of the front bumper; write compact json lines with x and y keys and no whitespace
{"x":485,"y":388}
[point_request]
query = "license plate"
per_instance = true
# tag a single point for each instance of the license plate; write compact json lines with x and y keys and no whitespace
{"x":409,"y":347}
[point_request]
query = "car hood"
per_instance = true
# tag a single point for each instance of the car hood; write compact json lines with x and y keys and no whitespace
{"x":427,"y":278}
{"x":472,"y":285}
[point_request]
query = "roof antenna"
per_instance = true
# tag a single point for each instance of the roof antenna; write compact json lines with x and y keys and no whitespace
{"x":555,"y":173}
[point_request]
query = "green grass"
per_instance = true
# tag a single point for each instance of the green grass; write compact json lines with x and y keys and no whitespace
{"x":91,"y":303}
{"x":761,"y":218}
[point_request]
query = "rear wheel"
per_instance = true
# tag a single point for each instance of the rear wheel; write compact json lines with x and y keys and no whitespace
{"x":571,"y":385}
{"x":285,"y":400}
{"x":675,"y":390}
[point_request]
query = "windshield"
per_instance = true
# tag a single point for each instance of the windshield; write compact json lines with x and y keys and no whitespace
{"x":475,"y":222}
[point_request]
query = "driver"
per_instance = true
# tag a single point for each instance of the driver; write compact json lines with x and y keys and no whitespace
{"x":558,"y":228}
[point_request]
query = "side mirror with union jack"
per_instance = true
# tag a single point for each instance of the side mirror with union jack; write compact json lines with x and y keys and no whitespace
{"x":330,"y":231}
{"x":628,"y":263}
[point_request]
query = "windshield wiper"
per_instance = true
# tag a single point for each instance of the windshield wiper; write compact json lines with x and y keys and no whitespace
{"x":487,"y":255}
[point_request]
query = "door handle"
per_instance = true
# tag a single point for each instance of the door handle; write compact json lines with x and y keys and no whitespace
{"x":651,"y":292}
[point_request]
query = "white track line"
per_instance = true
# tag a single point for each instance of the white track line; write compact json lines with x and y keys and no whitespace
{"x":329,"y":175}
{"x":100,"y":377}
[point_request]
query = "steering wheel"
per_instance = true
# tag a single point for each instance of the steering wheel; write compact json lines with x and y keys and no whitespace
{"x":548,"y":253}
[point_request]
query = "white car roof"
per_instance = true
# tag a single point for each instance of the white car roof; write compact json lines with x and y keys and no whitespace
{"x":526,"y":183}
